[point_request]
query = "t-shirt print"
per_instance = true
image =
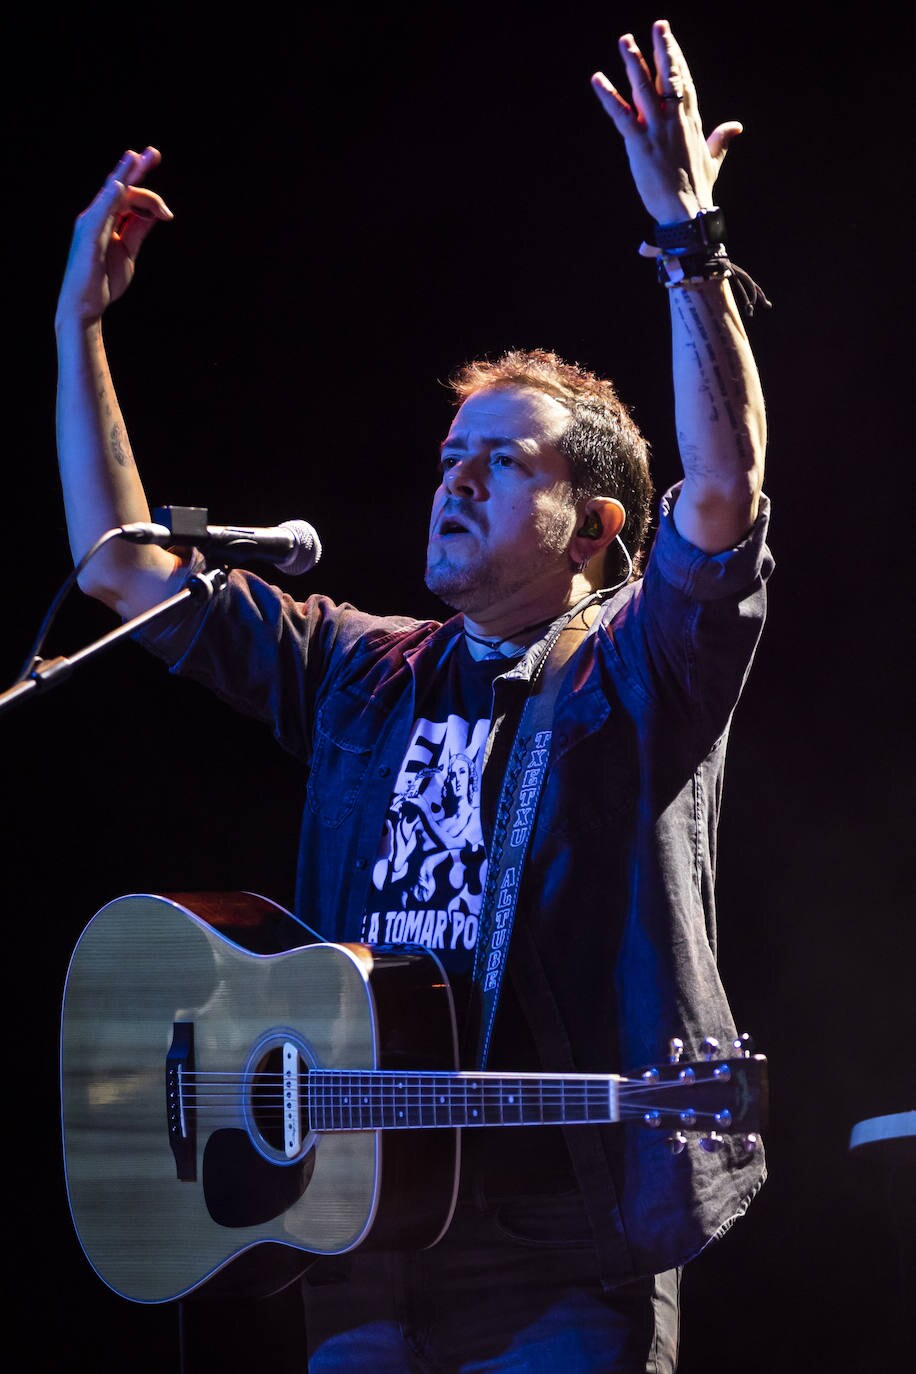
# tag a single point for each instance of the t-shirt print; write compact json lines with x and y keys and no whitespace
{"x":429,"y":875}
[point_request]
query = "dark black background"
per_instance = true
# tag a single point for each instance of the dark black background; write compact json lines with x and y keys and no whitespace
{"x":362,"y":201}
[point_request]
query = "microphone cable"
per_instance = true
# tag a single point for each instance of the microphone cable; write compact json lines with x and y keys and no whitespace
{"x":67,"y":586}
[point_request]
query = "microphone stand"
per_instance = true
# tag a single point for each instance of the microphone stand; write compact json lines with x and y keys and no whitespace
{"x":49,"y":672}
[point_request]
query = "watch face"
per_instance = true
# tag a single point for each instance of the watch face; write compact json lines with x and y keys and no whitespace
{"x":711,"y":225}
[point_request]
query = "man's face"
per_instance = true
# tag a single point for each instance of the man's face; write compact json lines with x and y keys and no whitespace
{"x":503,"y":514}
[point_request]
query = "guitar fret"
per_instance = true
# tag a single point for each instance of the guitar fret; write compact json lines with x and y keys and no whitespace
{"x":411,"y":1109}
{"x":348,"y":1102}
{"x":512,"y":1100}
{"x":492,"y":1112}
{"x":421,"y":1103}
{"x":552,"y":1107}
{"x":428,"y":1102}
{"x":316,"y":1104}
{"x":530,"y":1102}
{"x":443,"y":1104}
{"x":575,"y":1102}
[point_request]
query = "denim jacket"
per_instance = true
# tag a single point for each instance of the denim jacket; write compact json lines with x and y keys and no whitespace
{"x":613,"y":952}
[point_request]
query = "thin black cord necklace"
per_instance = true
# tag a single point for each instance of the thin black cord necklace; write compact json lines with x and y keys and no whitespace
{"x":495,"y":645}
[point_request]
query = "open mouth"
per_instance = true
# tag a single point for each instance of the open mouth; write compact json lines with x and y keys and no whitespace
{"x":450,"y":526}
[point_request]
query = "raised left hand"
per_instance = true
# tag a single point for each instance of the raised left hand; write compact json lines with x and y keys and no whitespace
{"x":674,"y":165}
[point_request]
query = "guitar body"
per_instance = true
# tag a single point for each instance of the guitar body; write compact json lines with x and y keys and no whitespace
{"x":168,"y":1188}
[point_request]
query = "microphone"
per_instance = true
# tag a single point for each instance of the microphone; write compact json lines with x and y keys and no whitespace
{"x":293,"y":546}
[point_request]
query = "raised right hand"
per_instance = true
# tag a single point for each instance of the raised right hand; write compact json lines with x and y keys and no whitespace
{"x":107,"y":238}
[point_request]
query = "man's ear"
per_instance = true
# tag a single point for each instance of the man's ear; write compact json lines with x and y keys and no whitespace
{"x":600,"y":521}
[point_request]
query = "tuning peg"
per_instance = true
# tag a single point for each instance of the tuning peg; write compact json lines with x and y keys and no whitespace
{"x":709,"y":1047}
{"x":711,"y":1143}
{"x":750,"y":1142}
{"x":677,"y":1143}
{"x":744,"y":1045}
{"x":723,"y":1118}
{"x":653,"y":1118}
{"x":675,"y":1049}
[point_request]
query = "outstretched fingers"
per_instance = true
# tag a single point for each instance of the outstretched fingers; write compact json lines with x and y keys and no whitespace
{"x":643,"y":94}
{"x":673,"y":78}
{"x":633,"y":115}
{"x":613,"y":102}
{"x":674,"y":164}
{"x":652,"y":97}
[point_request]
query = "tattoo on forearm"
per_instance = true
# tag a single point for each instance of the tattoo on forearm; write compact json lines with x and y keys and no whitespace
{"x":120,"y":449}
{"x":707,"y":342}
{"x":118,"y":443}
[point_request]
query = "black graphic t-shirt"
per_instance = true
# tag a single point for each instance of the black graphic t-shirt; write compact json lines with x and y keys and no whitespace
{"x":427,"y":888}
{"x":431,"y":867}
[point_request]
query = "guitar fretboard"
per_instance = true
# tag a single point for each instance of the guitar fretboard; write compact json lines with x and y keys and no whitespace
{"x":372,"y":1100}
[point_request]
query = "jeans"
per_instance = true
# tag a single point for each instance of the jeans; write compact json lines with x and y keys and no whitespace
{"x":510,"y":1289}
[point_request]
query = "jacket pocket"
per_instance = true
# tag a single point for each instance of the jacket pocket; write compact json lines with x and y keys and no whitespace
{"x":347,"y":731}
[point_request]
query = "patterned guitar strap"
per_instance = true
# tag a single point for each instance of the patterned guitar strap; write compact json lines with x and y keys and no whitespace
{"x":515,"y":813}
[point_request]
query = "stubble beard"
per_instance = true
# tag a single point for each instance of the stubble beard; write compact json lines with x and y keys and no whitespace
{"x":477,"y":586}
{"x":463,"y":589}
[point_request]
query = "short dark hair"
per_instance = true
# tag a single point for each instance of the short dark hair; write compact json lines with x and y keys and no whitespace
{"x":607,"y":453}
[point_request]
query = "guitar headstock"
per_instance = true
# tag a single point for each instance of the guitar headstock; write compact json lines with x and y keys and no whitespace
{"x":714,"y":1096}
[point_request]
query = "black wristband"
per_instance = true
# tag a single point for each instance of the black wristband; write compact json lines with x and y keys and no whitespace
{"x":696,"y":237}
{"x":678,"y":267}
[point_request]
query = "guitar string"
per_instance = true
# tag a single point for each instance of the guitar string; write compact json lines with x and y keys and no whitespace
{"x":422,"y":1079}
{"x":383,"y":1080}
{"x":209,"y":1089}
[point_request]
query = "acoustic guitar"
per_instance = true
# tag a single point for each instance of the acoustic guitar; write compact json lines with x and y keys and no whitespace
{"x":216,"y":1100}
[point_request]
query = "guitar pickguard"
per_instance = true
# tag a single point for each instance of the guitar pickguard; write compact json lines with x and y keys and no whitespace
{"x":242,"y":1188}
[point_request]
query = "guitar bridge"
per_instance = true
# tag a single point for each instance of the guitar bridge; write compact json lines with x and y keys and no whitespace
{"x":181,"y":1120}
{"x":292,"y":1134}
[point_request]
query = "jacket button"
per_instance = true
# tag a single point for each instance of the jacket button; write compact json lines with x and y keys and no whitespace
{"x":384,"y":771}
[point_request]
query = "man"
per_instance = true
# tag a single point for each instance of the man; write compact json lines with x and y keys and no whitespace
{"x":567,"y":1243}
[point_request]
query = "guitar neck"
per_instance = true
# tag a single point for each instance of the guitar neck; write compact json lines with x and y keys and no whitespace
{"x":370,"y":1100}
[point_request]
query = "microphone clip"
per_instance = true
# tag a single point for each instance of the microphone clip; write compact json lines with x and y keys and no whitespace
{"x":185,"y":524}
